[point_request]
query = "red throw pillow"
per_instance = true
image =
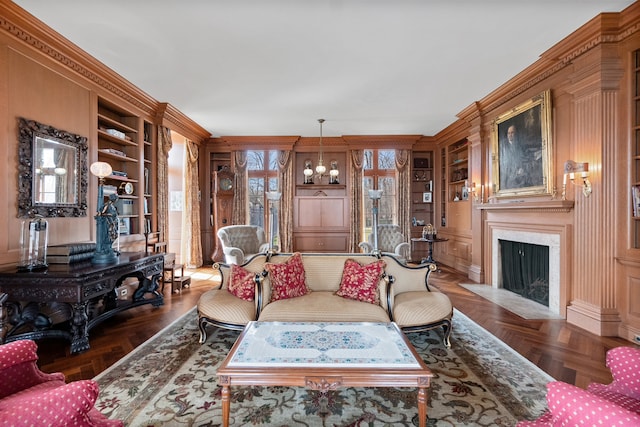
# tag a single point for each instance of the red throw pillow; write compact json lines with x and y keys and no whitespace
{"x":242,"y":283}
{"x":360,"y":282}
{"x":287,"y":279}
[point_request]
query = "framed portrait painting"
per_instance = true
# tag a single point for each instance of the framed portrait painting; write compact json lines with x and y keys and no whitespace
{"x":521,"y":149}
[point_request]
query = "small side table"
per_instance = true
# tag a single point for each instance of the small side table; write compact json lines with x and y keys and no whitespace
{"x":429,"y":257}
{"x":169,"y":269}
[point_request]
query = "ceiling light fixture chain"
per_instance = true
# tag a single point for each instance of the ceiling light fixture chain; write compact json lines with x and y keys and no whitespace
{"x":320,"y":168}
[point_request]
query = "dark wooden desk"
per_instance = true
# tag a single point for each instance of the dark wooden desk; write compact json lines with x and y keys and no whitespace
{"x":429,"y":257}
{"x":67,"y":300}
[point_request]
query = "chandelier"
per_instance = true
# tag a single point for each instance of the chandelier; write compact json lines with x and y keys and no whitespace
{"x":320,"y":169}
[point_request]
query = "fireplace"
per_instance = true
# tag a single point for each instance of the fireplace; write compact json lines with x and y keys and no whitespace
{"x":551,"y":243}
{"x":525,"y":270}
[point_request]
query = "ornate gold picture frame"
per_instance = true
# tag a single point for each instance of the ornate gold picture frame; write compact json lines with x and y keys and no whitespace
{"x":522,"y":149}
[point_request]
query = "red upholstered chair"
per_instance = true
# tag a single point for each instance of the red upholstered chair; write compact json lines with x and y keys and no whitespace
{"x":30,"y":397}
{"x":615,"y":404}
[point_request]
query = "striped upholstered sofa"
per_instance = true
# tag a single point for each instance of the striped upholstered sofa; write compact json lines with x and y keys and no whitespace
{"x":370,"y":290}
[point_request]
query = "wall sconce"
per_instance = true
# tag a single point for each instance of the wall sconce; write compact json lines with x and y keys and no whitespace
{"x":308,"y":172}
{"x":334,"y":172}
{"x":571,"y":168}
{"x":473,"y":191}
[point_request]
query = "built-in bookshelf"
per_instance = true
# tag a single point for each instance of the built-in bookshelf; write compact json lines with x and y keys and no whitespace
{"x":635,"y":155}
{"x":423,"y":198}
{"x":458,"y":162}
{"x":125,"y":141}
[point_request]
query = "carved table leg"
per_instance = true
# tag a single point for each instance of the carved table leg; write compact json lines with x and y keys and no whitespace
{"x":79,"y":328}
{"x":226,"y":400}
{"x":3,"y":316}
{"x":422,"y":406}
{"x":148,"y":286}
{"x":154,"y":289}
{"x":110,"y":300}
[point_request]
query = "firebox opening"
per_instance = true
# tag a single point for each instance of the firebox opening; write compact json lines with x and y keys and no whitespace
{"x":525,"y":270}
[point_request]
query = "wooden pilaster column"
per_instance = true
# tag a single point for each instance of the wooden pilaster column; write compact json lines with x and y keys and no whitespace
{"x":595,"y":87}
{"x":477,"y":157}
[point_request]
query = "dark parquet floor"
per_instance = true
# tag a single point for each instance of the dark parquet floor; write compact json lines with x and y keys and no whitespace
{"x":564,"y":351}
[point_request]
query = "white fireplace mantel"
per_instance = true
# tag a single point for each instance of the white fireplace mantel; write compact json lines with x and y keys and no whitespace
{"x":522,"y":205}
{"x":543,"y":239}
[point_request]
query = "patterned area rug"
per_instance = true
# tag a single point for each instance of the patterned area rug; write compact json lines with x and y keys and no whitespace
{"x":170,"y":381}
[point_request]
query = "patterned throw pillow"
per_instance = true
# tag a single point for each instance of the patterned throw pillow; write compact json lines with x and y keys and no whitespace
{"x":287,"y":279}
{"x":360,"y":282}
{"x":241,"y":283}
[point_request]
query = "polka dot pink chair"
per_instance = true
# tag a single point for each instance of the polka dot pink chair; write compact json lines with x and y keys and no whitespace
{"x":615,"y":404}
{"x":30,"y":397}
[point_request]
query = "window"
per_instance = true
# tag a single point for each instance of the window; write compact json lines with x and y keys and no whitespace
{"x":262,"y":168}
{"x":379,"y":170}
{"x":47,"y":173}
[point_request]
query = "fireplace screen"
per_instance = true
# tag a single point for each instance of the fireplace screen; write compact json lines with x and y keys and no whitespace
{"x":525,"y":270}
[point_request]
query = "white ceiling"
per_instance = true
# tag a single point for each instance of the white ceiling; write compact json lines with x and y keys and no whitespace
{"x":273,"y":67}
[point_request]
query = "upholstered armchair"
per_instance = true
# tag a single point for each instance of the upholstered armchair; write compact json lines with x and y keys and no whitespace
{"x":615,"y":404}
{"x":30,"y":397}
{"x":391,"y":241}
{"x":240,"y":242}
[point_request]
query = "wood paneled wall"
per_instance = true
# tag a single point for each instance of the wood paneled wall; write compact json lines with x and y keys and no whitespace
{"x":589,"y":75}
{"x":45,"y":78}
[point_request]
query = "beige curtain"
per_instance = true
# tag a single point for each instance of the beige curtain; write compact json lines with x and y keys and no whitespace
{"x":190,"y":243}
{"x":355,"y":176}
{"x":240,"y":200}
{"x":164,"y":146}
{"x":285,"y":168}
{"x":404,"y":191}
{"x":62,"y":182}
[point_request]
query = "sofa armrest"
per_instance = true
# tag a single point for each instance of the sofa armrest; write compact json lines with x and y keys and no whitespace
{"x":366,"y":247}
{"x":19,"y":369}
{"x":403,"y":250}
{"x":264,"y":248}
{"x":571,"y":405}
{"x":265,"y":291}
{"x":68,"y":404}
{"x":16,"y":352}
{"x":225,"y":274}
{"x":409,"y":278}
{"x":260,"y":294}
{"x":233,"y":255}
{"x":624,"y":363}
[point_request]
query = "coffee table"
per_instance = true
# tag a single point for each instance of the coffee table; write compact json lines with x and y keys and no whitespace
{"x":324,"y":356}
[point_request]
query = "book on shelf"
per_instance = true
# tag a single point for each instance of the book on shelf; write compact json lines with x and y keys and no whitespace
{"x":124,"y":207}
{"x":69,"y":259}
{"x":113,"y":151}
{"x":108,"y":190}
{"x":635,"y":199}
{"x":71,"y":248}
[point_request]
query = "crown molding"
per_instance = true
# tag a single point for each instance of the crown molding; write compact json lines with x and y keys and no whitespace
{"x":605,"y":28}
{"x":34,"y":34}
{"x":169,"y":116}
